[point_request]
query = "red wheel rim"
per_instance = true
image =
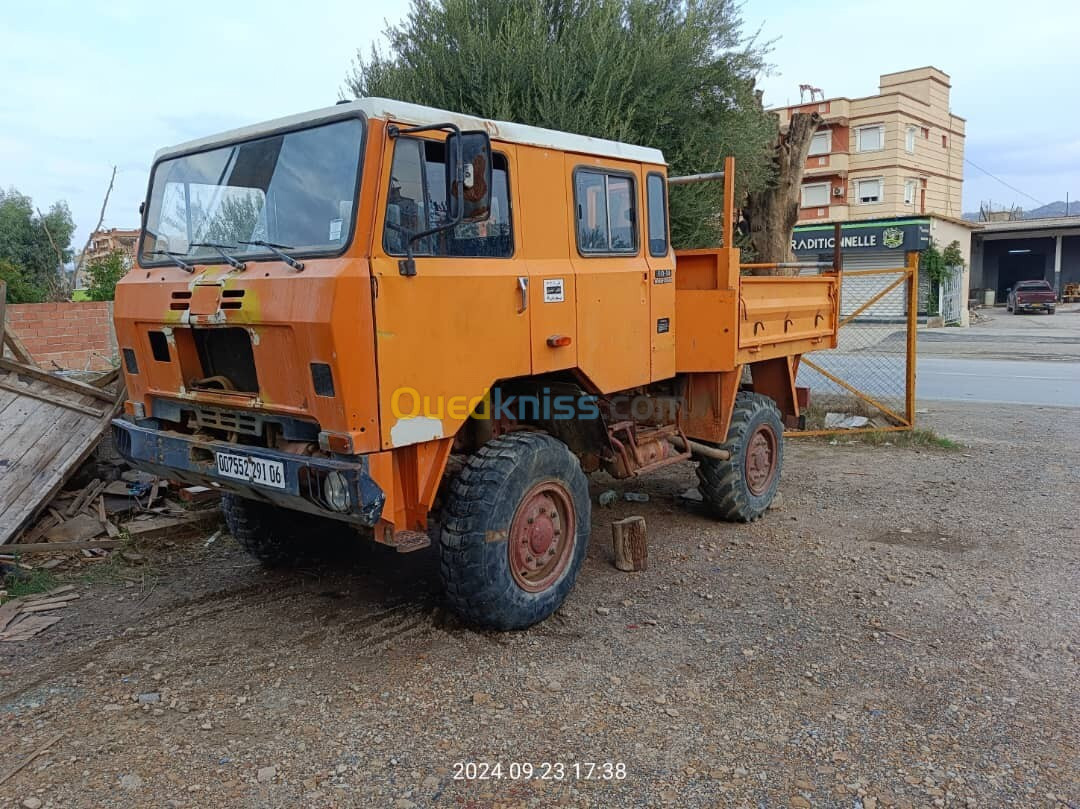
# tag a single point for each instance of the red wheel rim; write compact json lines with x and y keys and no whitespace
{"x":760,"y":459}
{"x":542,"y":536}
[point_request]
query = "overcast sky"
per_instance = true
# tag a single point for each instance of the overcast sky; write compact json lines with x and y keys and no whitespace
{"x":88,"y":85}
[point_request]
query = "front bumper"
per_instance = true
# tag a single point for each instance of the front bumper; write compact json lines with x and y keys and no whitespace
{"x":192,"y":461}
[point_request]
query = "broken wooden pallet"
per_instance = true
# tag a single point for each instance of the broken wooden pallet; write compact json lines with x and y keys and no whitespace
{"x":48,"y":426}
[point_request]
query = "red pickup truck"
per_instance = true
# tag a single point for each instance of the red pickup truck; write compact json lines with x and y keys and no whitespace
{"x":1031,"y":296}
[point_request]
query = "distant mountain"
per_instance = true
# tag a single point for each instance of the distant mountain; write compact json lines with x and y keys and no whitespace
{"x":1044,"y":212}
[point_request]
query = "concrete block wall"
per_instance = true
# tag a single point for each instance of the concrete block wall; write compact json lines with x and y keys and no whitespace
{"x":72,"y":336}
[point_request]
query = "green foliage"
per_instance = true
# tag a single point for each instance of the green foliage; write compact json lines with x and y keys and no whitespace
{"x":952,"y":256}
{"x":671,"y":74}
{"x":36,"y":581}
{"x":24,"y":239}
{"x":932,"y":263}
{"x":104,"y":272}
{"x":19,"y":288}
{"x":918,"y":437}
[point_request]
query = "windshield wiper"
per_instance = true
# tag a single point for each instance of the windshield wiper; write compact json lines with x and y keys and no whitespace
{"x":220,"y":248}
{"x":276,"y":250}
{"x":175,"y":258}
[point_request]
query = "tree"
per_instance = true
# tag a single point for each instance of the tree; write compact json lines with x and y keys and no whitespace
{"x":672,"y":74}
{"x":952,"y":256}
{"x":773,"y":210}
{"x":19,"y":290}
{"x":103,"y":272}
{"x":25,"y":241}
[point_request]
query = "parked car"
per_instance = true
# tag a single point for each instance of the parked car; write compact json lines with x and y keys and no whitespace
{"x":1031,"y":296}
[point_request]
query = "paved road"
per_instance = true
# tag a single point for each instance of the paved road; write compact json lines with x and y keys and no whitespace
{"x":954,"y":379}
{"x":1002,"y":381}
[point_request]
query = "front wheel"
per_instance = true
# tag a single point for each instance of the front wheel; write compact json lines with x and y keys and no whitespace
{"x":280,"y":537}
{"x":515,"y":531}
{"x":741,"y":488}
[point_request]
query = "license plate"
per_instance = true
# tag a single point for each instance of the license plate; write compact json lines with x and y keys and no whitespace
{"x":252,"y":470}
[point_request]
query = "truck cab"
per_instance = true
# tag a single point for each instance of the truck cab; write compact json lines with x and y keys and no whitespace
{"x":328,"y":308}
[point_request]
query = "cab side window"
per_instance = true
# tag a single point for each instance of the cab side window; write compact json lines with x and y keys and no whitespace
{"x":417,"y":202}
{"x":606,"y":212}
{"x":656,"y":199}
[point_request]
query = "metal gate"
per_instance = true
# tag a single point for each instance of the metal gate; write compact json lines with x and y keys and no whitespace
{"x":951,"y":296}
{"x":868,"y":381}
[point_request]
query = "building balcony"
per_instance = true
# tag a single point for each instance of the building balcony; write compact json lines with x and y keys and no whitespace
{"x":825,"y":165}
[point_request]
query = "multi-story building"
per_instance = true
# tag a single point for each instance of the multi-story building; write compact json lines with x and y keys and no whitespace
{"x":898,"y":153}
{"x":889,"y":168}
{"x":103,"y":242}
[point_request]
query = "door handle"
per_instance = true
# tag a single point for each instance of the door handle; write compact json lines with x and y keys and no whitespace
{"x":523,"y":287}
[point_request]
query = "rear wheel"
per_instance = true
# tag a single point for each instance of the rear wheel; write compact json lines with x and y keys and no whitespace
{"x":280,"y":537}
{"x":741,"y":488}
{"x":515,"y":531}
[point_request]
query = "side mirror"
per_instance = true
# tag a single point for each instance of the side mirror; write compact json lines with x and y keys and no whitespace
{"x":468,"y":175}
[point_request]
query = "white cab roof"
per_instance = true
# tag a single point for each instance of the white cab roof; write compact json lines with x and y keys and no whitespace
{"x":418,"y":115}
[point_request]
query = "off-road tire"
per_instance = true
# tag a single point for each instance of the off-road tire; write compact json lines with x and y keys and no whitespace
{"x":280,"y":537}
{"x":481,"y":515}
{"x":724,"y":485}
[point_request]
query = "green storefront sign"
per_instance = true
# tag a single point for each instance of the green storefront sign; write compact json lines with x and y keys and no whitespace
{"x":900,"y":235}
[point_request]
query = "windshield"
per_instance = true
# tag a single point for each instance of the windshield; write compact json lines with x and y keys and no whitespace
{"x":294,"y":191}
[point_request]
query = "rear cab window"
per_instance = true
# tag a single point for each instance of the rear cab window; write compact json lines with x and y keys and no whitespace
{"x":656,"y":200}
{"x":605,"y":212}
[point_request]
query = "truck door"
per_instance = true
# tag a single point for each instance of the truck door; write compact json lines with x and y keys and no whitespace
{"x":613,"y":285}
{"x":444,"y":335}
{"x":661,"y":259}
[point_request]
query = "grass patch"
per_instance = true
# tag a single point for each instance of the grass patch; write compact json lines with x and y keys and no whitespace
{"x":35,"y":581}
{"x":919,"y":437}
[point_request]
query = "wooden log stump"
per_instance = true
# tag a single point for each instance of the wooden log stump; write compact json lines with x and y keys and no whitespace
{"x":628,"y":539}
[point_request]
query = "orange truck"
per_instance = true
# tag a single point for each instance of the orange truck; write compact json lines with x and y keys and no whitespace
{"x":388,"y":321}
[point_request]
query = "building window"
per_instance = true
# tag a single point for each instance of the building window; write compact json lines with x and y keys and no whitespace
{"x":926,"y":133}
{"x":815,"y":195}
{"x":944,"y":142}
{"x":869,"y":191}
{"x":909,"y":139}
{"x":909,"y":192}
{"x":606,"y":212}
{"x":870,"y":138}
{"x":821,"y":143}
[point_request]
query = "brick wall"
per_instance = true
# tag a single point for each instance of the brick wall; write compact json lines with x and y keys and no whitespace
{"x":74,"y":336}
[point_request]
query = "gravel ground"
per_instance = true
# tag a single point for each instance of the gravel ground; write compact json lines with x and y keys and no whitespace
{"x":902,"y":631}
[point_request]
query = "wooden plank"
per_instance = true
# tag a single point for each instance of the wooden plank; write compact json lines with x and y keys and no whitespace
{"x":159,"y":527}
{"x":47,"y":432}
{"x":56,"y":592}
{"x":8,"y":612}
{"x":17,"y":349}
{"x":90,"y":491}
{"x":30,"y":626}
{"x":48,"y":547}
{"x":78,"y":528}
{"x":106,"y":378}
{"x":72,"y":385}
{"x":53,"y":400}
{"x":40,"y":751}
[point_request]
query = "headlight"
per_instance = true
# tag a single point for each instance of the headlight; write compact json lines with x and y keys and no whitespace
{"x":336,"y":491}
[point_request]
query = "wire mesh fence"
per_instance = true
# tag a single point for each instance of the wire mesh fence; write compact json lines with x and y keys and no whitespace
{"x":867,"y":382}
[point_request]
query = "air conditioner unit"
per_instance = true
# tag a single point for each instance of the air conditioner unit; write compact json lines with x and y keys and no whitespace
{"x":838,"y":191}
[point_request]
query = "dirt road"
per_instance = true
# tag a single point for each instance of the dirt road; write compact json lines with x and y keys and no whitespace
{"x":903,"y":631}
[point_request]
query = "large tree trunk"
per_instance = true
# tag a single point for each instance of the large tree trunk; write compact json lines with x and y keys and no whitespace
{"x":773,"y":211}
